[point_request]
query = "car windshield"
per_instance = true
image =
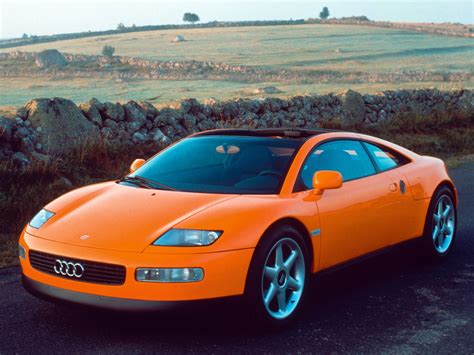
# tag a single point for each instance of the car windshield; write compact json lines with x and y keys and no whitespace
{"x":222,"y":164}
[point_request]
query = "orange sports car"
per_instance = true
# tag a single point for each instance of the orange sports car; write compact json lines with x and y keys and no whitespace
{"x":231,"y":212}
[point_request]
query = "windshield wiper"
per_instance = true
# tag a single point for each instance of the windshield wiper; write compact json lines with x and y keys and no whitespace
{"x":148,"y":184}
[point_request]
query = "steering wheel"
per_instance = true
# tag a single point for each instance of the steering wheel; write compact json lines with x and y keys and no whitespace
{"x":270,"y":172}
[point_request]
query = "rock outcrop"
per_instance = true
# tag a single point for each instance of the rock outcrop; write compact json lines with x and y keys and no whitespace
{"x":354,"y":108}
{"x":63,"y":126}
{"x":50,"y":58}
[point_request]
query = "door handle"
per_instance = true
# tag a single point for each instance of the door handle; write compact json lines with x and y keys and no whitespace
{"x":393,"y":187}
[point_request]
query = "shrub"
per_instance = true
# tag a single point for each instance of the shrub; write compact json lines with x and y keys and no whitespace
{"x":108,"y":51}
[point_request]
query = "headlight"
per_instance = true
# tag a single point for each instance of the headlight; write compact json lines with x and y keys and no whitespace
{"x":21,"y":252}
{"x":187,"y":238}
{"x":41,"y":218}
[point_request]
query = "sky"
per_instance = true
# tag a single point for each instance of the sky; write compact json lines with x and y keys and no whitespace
{"x":44,"y":17}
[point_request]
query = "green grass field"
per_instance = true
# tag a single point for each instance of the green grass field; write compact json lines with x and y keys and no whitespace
{"x":17,"y":91}
{"x":303,"y":47}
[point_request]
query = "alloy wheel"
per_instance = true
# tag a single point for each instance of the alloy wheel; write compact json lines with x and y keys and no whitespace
{"x":283,"y":278}
{"x":443,"y":224}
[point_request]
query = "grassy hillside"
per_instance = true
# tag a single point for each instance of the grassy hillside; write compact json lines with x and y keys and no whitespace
{"x":306,"y":46}
{"x":325,"y":48}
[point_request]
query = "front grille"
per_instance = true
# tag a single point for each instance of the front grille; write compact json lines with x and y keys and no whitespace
{"x":94,"y":272}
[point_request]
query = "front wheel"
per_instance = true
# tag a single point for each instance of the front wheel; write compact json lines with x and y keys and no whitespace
{"x":278,"y":276}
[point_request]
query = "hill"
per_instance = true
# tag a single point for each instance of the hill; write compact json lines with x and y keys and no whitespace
{"x":351,"y":51}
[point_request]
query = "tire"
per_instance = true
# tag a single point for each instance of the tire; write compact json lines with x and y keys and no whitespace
{"x":276,"y":285}
{"x":439,"y":236}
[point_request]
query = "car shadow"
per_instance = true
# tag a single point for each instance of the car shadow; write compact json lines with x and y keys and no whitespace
{"x":330,"y":299}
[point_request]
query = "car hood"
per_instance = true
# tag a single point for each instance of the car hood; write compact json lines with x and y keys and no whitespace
{"x":119,"y":217}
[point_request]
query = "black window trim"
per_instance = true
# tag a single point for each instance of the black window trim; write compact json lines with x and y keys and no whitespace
{"x":363,"y":144}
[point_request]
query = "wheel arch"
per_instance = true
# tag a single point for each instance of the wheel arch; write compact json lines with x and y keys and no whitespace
{"x":300,"y":227}
{"x":450,"y":185}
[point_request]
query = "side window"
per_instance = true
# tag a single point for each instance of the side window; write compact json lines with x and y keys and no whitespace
{"x":384,"y":158}
{"x":346,"y":156}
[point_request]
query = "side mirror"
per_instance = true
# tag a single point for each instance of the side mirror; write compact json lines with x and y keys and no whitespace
{"x":136,"y":164}
{"x":326,"y":180}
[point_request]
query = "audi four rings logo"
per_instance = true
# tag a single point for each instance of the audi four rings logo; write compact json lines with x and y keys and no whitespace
{"x":68,"y":268}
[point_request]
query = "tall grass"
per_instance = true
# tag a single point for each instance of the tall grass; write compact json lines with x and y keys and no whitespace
{"x":24,"y":192}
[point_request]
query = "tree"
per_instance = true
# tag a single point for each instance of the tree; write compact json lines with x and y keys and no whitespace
{"x":120,"y":26}
{"x":324,"y":14}
{"x":108,"y":51}
{"x":25,"y":36}
{"x":190,"y":17}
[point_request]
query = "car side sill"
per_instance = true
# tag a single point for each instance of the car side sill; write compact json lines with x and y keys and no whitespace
{"x":368,"y":256}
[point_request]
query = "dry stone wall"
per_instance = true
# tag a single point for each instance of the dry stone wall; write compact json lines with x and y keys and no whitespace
{"x":131,"y":68}
{"x":56,"y":126}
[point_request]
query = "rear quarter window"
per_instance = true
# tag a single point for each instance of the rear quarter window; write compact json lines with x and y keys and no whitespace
{"x":385,"y":158}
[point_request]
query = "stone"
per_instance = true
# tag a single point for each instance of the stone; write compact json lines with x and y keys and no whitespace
{"x":20,"y":160}
{"x":353,"y":107}
{"x":134,"y":126}
{"x":179,"y":38}
{"x":189,"y":122}
{"x":134,"y":112}
{"x":466,"y":104}
{"x":267,"y":90}
{"x":112,"y":111}
{"x":6,"y":129}
{"x":139,"y":138}
{"x":159,"y":138}
{"x":150,"y":111}
{"x":64,"y":127}
{"x":91,"y":110}
{"x":21,"y":133}
{"x":50,"y":58}
{"x":22,"y":113}
{"x":111,"y":124}
{"x":191,"y":106}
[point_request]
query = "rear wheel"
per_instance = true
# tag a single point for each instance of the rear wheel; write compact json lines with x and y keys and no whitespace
{"x":440,"y":227}
{"x":278,"y":276}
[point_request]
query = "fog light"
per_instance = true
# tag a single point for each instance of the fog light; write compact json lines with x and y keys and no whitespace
{"x":21,"y":252}
{"x":169,"y":275}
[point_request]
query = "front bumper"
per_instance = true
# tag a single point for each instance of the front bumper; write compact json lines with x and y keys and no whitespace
{"x":60,"y":295}
{"x":225,"y":275}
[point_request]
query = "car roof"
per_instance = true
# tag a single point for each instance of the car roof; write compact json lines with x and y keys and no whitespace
{"x":297,"y":133}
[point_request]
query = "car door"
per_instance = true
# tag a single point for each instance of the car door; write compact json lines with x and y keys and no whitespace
{"x":408,"y":214}
{"x":355,"y":219}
